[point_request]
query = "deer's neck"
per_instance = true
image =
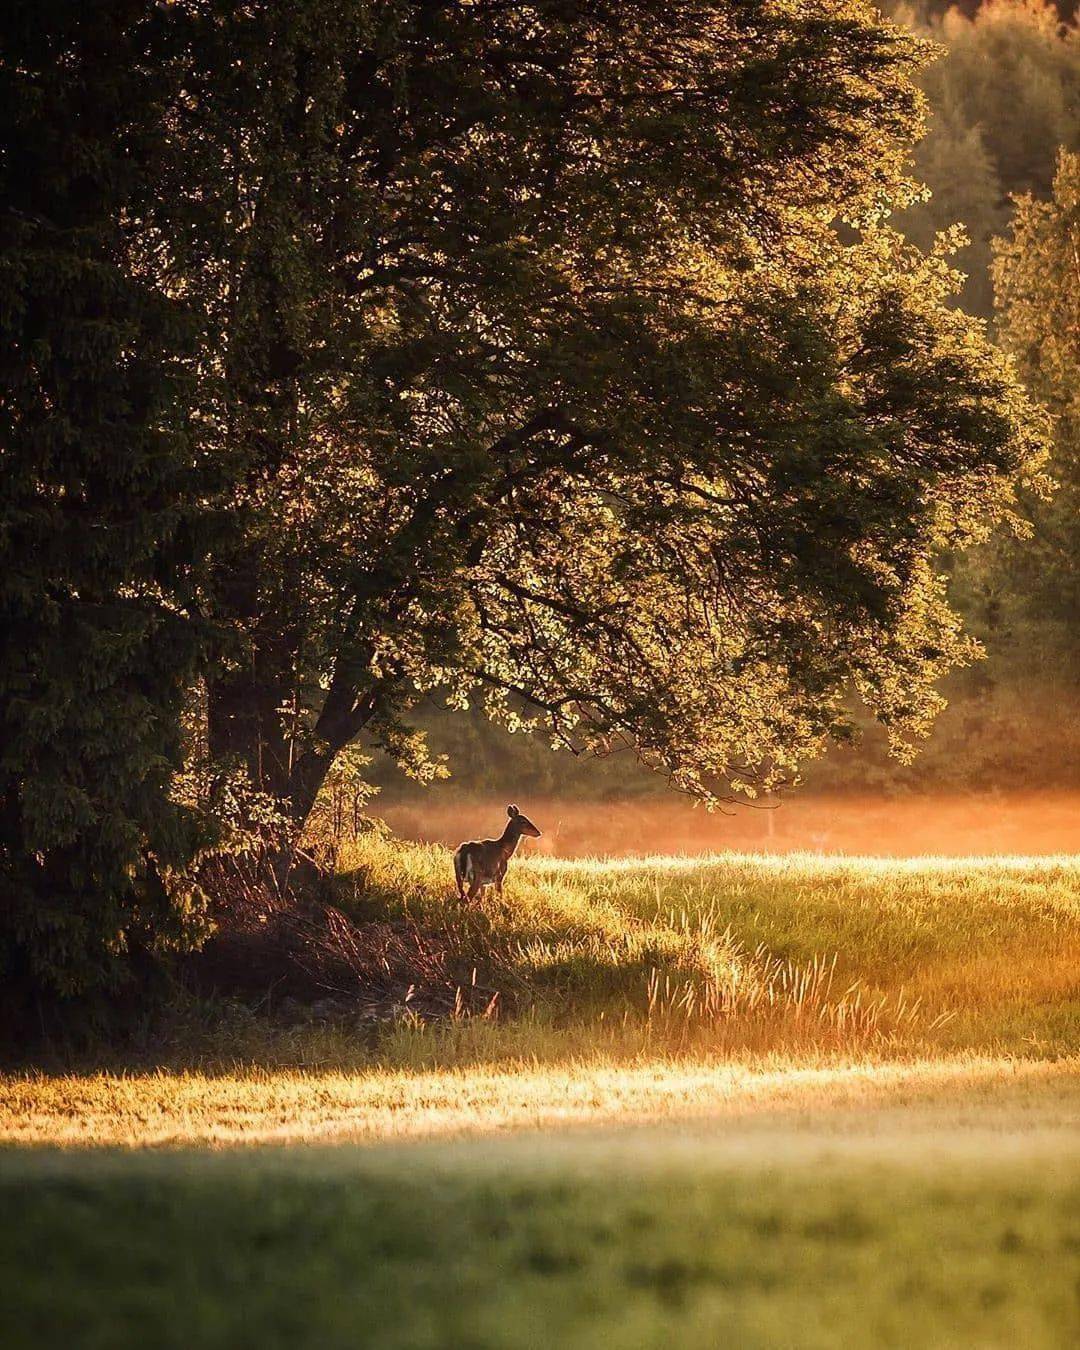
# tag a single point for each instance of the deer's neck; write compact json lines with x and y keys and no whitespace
{"x":508,"y":840}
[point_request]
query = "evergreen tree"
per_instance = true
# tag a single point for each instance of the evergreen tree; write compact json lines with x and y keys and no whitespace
{"x":96,"y":493}
{"x":954,"y":161}
{"x":1004,"y":94}
{"x":1016,"y":70}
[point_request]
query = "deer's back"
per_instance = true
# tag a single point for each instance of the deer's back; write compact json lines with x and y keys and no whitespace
{"x":484,"y":854}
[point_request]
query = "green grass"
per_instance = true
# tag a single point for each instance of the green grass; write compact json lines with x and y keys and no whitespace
{"x":628,"y":1241}
{"x":725,"y":955}
{"x":749,"y":952}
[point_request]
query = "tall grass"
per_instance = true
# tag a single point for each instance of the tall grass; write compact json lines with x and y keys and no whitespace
{"x":748,"y":952}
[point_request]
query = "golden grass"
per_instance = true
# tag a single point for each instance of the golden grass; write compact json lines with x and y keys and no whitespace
{"x":648,"y":990}
{"x":737,"y":1100}
{"x":759,"y":952}
{"x":849,"y":1099}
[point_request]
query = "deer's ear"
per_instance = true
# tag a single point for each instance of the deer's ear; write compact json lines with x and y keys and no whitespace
{"x":512,"y":811}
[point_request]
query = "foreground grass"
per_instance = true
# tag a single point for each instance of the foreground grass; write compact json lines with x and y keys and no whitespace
{"x":138,"y":1110}
{"x":759,"y":1102}
{"x":862,"y":1226}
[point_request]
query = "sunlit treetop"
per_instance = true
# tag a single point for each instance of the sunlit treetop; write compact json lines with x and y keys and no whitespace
{"x":561,"y":356}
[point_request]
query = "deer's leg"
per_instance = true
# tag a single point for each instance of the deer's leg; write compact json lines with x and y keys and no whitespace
{"x":459,"y":876}
{"x":474,"y":889}
{"x":499,"y":881}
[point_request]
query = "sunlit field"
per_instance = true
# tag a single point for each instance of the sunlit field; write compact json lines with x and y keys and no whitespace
{"x":826,"y":1226}
{"x":754,"y":1102}
{"x":741,"y":1098}
{"x":752,"y":952}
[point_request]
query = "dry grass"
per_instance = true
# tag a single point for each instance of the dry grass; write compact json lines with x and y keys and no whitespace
{"x":742,"y":952}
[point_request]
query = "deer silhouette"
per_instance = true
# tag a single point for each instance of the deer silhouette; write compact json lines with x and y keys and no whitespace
{"x":482,"y":862}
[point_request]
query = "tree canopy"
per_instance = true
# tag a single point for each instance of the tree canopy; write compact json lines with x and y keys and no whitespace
{"x":1004,"y":95}
{"x":97,"y":508}
{"x":1037,"y":286}
{"x":547,"y":377}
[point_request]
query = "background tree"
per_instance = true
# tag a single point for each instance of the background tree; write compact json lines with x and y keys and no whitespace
{"x":544,"y":376}
{"x":1037,"y":283}
{"x":961,"y":173}
{"x":1004,"y":98}
{"x":1004,"y":95}
{"x":96,"y":497}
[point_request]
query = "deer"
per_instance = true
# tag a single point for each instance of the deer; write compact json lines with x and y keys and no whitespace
{"x":482,"y":862}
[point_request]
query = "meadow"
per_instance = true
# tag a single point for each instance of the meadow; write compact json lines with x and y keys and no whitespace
{"x":747,"y":952}
{"x":687,"y":387}
{"x":801,"y":1100}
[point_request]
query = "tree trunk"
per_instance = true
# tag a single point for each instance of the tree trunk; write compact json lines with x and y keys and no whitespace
{"x":344,"y":715}
{"x":308,"y":776}
{"x":245,"y":727}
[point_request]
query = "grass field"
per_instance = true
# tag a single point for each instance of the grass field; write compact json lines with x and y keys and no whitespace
{"x":744,"y":1101}
{"x":953,"y":1234}
{"x":747,"y":952}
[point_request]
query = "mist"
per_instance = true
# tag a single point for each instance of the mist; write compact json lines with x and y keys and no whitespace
{"x":963,"y":825}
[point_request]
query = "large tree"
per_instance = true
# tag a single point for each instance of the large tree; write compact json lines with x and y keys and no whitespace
{"x":96,"y":505}
{"x":559,"y":356}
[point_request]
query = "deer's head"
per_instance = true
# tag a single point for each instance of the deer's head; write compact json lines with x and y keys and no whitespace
{"x":522,"y":824}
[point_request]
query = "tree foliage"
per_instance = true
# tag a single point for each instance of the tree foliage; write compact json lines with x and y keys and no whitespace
{"x":544,"y":377}
{"x":96,"y":495}
{"x":1004,"y":95}
{"x":555,"y":357}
